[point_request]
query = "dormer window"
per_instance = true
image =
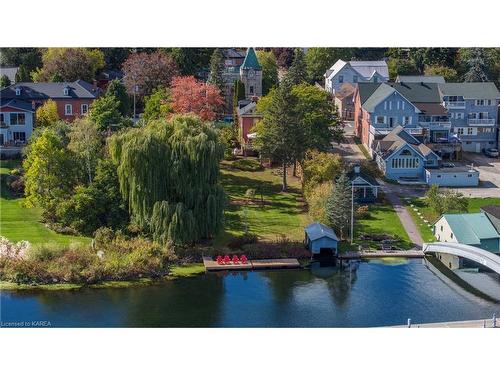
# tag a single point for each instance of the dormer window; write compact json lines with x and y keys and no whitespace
{"x":18,"y":91}
{"x":66,"y":91}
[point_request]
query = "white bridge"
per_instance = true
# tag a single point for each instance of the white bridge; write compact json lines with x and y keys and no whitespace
{"x":475,"y":254}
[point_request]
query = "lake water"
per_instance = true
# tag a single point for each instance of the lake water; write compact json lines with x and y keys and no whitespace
{"x":368,"y":294}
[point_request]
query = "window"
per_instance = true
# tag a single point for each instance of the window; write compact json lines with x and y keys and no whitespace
{"x":459,"y":115}
{"x":451,"y":235}
{"x":397,"y":105}
{"x":251,"y":90}
{"x":470,"y":131}
{"x":17,"y":118}
{"x":403,"y":105}
{"x":84,"y":109}
{"x":460,"y":131}
{"x":2,"y":119}
{"x":66,"y":91}
{"x":355,"y":78}
{"x":68,"y":109}
{"x":20,"y":136}
{"x":18,"y":91}
{"x":487,"y":102}
{"x":438,"y":176}
{"x":441,"y":228}
{"x":385,"y":105}
{"x":375,"y":79}
{"x":406,"y":120}
{"x":405,"y":152}
{"x":480,"y":102}
{"x":341,"y":79}
{"x":469,"y":175}
{"x":380,"y":120}
{"x":390,"y":105}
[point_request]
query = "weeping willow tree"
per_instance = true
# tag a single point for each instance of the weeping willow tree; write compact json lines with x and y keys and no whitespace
{"x":169,"y":174}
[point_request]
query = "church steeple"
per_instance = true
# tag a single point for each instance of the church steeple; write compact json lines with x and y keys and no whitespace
{"x":251,"y":74}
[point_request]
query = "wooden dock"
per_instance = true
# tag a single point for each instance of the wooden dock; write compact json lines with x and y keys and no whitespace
{"x":382,"y":254}
{"x":259,"y":264}
{"x":483,"y":323}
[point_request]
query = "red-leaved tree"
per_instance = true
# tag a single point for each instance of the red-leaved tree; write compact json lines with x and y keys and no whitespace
{"x":190,"y":95}
{"x":148,"y":71}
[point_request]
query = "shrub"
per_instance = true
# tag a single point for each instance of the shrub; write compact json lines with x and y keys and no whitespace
{"x":362,"y":212}
{"x":319,"y":167}
{"x":238,"y":242}
{"x":249,"y":165}
{"x":317,"y":199}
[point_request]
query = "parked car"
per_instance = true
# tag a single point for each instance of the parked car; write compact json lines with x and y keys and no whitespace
{"x":448,"y":165}
{"x":491,"y":152}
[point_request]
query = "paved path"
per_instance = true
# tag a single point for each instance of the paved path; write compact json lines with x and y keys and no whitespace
{"x":404,"y":216}
{"x":485,"y":323}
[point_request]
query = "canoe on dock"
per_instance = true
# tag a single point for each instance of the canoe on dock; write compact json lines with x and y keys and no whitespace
{"x":258,"y":264}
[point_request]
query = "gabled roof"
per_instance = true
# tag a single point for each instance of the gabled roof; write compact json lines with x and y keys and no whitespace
{"x":247,"y":109}
{"x":419,"y":92}
{"x":432,"y":109}
{"x":381,"y":93}
{"x":396,"y":140}
{"x":18,"y":104}
{"x":317,"y":230}
{"x":251,"y":61}
{"x":232,"y":53}
{"x":366,"y":89}
{"x":470,"y":229}
{"x":369,"y":68}
{"x":367,"y":178}
{"x":418,"y":79}
{"x":366,"y":69}
{"x":55,"y":90}
{"x":493,"y":210}
{"x":470,"y":90}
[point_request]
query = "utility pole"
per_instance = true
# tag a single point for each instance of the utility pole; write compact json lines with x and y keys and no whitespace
{"x":352,"y":212}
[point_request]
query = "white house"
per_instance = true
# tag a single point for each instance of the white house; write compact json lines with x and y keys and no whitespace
{"x":353,"y":72}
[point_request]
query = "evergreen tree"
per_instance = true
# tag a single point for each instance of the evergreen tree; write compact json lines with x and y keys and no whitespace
{"x":23,"y":74}
{"x":297,"y":73}
{"x":338,"y":207}
{"x":477,"y":66}
{"x":238,"y":94}
{"x":269,"y":66}
{"x":4,"y":81}
{"x":169,"y":174}
{"x":216,"y":77}
{"x":279,"y":132}
{"x":118,"y":91}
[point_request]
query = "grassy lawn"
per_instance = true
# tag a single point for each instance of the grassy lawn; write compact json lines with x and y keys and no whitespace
{"x":427,"y":214}
{"x":383,"y":220}
{"x":281,"y":213}
{"x":20,"y":223}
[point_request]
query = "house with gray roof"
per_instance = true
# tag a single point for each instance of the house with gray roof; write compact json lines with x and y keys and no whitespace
{"x":16,"y":125}
{"x":354,"y":72}
{"x":402,"y":157}
{"x":73,"y":99}
{"x":419,"y":79}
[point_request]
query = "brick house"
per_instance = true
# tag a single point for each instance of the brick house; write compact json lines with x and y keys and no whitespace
{"x":73,"y":99}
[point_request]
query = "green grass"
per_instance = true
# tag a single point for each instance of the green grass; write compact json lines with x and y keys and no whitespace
{"x":186,"y":270}
{"x":21,"y":223}
{"x":281,"y":213}
{"x":427,"y":214}
{"x":383,"y":219}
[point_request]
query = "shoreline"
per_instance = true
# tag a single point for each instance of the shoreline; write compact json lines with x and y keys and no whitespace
{"x":176,"y":272}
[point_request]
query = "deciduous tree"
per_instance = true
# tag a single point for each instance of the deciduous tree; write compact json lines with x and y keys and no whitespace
{"x":148,"y":71}
{"x":105,"y":113}
{"x":157,"y":105}
{"x":168,"y":173}
{"x":4,"y":81}
{"x":190,"y":95}
{"x":69,"y":64}
{"x":269,"y":66}
{"x":46,"y":114}
{"x":449,"y":74}
{"x":86,"y":144}
{"x":318,"y":60}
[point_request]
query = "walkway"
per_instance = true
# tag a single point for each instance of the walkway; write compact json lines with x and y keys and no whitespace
{"x":485,"y":323}
{"x":382,"y":254}
{"x":404,"y":216}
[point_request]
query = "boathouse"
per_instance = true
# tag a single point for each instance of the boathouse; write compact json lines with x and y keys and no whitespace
{"x":320,"y":239}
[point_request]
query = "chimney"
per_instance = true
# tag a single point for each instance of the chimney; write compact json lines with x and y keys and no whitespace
{"x":357,"y":168}
{"x":94,"y":85}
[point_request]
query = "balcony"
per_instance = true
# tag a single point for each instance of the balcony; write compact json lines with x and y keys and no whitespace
{"x":481,"y":121}
{"x":454,"y":105}
{"x":384,"y":130}
{"x":435,"y":125}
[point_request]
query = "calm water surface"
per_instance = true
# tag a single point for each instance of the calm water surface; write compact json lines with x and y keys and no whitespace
{"x":371,"y":294}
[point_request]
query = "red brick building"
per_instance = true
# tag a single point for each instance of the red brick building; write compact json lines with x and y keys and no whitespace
{"x":247,"y":118}
{"x":73,"y":99}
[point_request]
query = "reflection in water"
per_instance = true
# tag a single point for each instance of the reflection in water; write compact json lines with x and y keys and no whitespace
{"x":366,"y":294}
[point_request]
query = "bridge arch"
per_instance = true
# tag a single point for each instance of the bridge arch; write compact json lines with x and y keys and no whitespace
{"x":475,"y":254}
